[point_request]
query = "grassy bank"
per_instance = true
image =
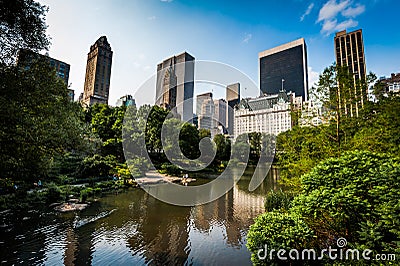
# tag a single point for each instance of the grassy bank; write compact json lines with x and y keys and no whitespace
{"x":52,"y":193}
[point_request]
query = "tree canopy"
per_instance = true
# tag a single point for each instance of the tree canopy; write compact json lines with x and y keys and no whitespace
{"x":38,"y":121}
{"x":22,"y":25}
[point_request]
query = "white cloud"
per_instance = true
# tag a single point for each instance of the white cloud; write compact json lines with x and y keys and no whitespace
{"x":313,"y":77}
{"x":353,"y":12}
{"x":346,"y":24}
{"x":331,"y":9}
{"x":247,"y":38}
{"x":167,"y":1}
{"x":337,"y":16}
{"x":152,"y":18}
{"x":308,"y":11}
{"x":331,"y":26}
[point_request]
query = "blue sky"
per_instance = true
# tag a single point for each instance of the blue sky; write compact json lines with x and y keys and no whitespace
{"x":144,"y":32}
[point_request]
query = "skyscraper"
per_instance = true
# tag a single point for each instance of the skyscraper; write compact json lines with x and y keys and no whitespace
{"x":98,"y":73}
{"x":232,"y":98}
{"x":25,"y":58}
{"x":285,"y":66}
{"x":200,"y":99}
{"x":206,"y":117}
{"x":175,"y":85}
{"x":349,"y":49}
{"x":205,"y":110}
{"x":220,"y":116}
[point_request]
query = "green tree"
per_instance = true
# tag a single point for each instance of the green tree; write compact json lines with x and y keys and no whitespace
{"x":300,"y":149}
{"x":96,"y":166}
{"x":255,"y":140}
{"x":38,"y":121}
{"x":223,"y":145}
{"x":107,"y":122}
{"x":189,"y":141}
{"x":378,"y":127}
{"x":22,"y":25}
{"x":342,"y":98}
{"x":102,"y":120}
{"x":154,"y":123}
{"x":203,"y":133}
{"x":241,"y":148}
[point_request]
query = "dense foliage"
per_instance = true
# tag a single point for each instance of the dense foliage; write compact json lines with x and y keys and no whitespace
{"x":345,"y":174}
{"x":38,"y":121}
{"x":354,"y":197}
{"x":373,"y":126}
{"x":22,"y":25}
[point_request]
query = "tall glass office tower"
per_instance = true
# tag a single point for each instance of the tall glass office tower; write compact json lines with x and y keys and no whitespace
{"x":285,"y":67}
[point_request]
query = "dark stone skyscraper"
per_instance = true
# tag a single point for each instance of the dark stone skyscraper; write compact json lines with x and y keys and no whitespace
{"x":233,"y":99}
{"x":349,"y":51}
{"x":98,"y":73}
{"x":285,"y":66}
{"x":175,"y":85}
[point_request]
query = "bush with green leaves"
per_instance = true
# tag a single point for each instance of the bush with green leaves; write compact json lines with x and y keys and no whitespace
{"x":170,"y":169}
{"x":355,"y":196}
{"x":278,"y":200}
{"x":277,"y":230}
{"x":53,"y":193}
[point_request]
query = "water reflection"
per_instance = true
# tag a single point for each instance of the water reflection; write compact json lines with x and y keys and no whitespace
{"x":141,"y":230}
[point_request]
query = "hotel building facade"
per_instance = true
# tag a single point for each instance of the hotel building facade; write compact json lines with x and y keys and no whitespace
{"x":270,"y":114}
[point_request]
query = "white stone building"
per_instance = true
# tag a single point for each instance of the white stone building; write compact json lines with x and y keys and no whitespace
{"x":266,"y":114}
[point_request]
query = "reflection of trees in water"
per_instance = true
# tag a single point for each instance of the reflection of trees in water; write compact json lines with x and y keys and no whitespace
{"x":270,"y":182}
{"x":41,"y":239}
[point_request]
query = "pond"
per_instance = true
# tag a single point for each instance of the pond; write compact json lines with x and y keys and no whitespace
{"x":133,"y":228}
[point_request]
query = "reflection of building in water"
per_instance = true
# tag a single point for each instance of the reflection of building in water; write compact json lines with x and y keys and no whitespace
{"x":234,"y":211}
{"x":71,"y":247}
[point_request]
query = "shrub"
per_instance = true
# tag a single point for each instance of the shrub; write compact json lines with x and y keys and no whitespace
{"x":53,"y":192}
{"x":276,"y":230}
{"x":355,"y":197}
{"x":84,"y":195}
{"x":277,"y":200}
{"x":170,"y":169}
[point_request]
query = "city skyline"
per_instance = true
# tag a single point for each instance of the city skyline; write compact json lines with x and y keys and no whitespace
{"x":141,"y":35}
